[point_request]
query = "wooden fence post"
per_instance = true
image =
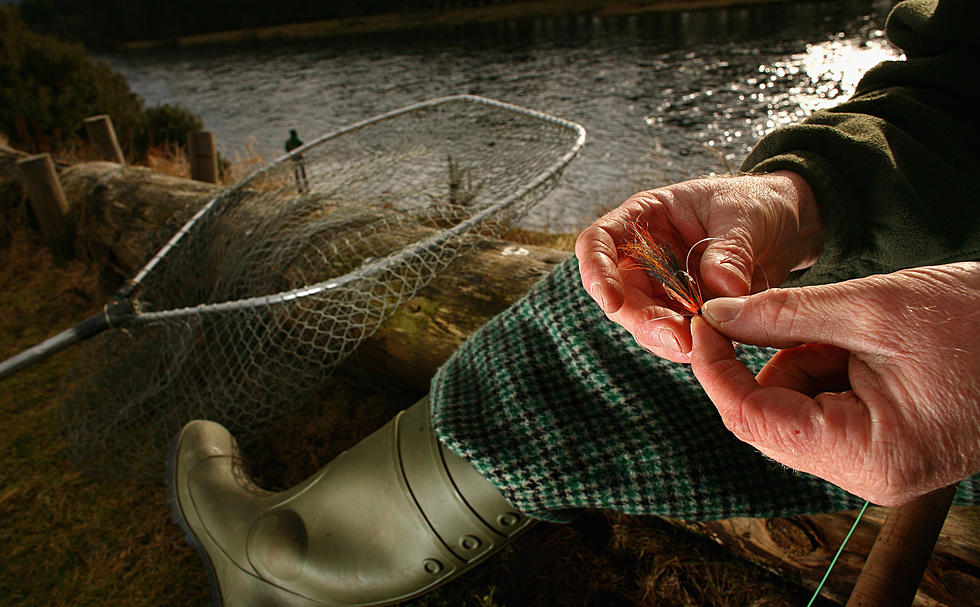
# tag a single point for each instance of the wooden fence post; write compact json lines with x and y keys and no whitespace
{"x":48,"y":202}
{"x":203,"y":156}
{"x":103,"y":137}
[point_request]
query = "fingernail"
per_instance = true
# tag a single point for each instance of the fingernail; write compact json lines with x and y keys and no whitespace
{"x":597,"y":291}
{"x":722,"y":309}
{"x":669,"y":341}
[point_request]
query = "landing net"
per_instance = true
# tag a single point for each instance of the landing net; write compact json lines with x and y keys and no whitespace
{"x":245,"y":312}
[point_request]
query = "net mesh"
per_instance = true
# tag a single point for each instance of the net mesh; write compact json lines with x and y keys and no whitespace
{"x":255,"y":301}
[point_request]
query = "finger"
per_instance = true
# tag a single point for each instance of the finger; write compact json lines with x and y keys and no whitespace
{"x":728,"y":383}
{"x":598,"y":262}
{"x":727,"y":266}
{"x":835,"y":314}
{"x":668,"y":338}
{"x":597,"y":250}
{"x":778,"y":421}
{"x":808,"y":369}
{"x":829,"y":435}
{"x":654,"y":326}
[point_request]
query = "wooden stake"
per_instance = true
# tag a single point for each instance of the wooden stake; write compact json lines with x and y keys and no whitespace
{"x":894,"y":569}
{"x":48,"y":202}
{"x":103,"y":137}
{"x":203,"y":156}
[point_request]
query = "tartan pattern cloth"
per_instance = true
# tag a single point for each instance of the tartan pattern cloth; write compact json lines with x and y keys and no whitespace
{"x":561,"y":410}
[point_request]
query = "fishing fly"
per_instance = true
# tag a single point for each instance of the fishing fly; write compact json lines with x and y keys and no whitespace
{"x":660,"y":263}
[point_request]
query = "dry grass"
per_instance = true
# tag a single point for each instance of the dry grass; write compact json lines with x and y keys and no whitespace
{"x":245,"y":161}
{"x":169,"y":159}
{"x":69,"y":540}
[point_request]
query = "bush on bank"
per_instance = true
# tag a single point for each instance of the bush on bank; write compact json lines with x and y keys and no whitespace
{"x":48,"y":87}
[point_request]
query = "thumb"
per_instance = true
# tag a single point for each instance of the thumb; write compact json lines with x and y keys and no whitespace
{"x":784,"y":318}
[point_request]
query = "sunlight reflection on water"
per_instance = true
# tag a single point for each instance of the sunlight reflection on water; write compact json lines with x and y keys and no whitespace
{"x":788,"y":91}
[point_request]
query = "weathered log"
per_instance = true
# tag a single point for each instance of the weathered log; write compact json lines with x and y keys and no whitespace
{"x":129,"y":212}
{"x":425,"y":331}
{"x":125,"y":214}
{"x":897,"y":562}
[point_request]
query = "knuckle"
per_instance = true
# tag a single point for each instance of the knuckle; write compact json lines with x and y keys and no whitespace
{"x":592,"y":239}
{"x":897,"y":478}
{"x":779,"y":308}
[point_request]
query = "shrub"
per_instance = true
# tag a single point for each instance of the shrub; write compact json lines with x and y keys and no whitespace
{"x":169,"y":124}
{"x":48,"y":87}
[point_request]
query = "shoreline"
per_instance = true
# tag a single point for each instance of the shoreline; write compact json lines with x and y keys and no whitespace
{"x":433,"y":19}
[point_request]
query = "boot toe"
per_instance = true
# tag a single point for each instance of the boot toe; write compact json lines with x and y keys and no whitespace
{"x":201,"y":439}
{"x":212,"y":500}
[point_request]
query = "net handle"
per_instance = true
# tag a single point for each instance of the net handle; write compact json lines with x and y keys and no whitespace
{"x":112,"y":315}
{"x":898,"y":559}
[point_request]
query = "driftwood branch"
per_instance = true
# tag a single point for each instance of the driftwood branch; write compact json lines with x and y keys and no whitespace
{"x":127,"y":213}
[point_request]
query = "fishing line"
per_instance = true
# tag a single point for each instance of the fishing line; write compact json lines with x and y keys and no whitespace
{"x":833,"y":561}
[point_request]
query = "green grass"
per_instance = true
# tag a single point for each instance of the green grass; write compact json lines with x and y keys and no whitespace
{"x":69,"y":539}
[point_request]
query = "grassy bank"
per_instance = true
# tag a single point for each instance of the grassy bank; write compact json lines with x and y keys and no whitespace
{"x":399,"y":22}
{"x":74,"y":540}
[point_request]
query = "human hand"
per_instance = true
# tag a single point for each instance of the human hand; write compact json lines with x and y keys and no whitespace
{"x":883,"y":398}
{"x":767,"y":221}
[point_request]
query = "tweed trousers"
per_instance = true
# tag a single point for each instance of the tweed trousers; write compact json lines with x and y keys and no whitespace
{"x":561,"y":410}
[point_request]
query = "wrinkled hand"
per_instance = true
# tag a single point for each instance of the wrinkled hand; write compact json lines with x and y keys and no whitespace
{"x":883,"y":398}
{"x":764,"y":224}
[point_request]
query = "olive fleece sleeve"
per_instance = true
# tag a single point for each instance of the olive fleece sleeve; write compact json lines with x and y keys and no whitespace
{"x":896,"y":168}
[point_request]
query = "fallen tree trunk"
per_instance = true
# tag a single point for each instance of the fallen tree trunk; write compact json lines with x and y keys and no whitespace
{"x":424,"y":332}
{"x":123,"y":215}
{"x":126,"y":213}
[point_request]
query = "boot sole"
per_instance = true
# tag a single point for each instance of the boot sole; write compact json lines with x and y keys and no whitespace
{"x":177,"y":514}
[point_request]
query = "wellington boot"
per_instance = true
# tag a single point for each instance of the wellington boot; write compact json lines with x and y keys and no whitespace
{"x":390,"y":519}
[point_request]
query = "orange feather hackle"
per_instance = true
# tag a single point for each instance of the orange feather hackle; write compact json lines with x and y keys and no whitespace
{"x":660,"y":263}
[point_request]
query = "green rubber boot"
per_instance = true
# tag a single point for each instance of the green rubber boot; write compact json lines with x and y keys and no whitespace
{"x":386,"y":521}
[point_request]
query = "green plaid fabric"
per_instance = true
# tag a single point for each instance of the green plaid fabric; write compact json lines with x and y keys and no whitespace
{"x":561,"y":410}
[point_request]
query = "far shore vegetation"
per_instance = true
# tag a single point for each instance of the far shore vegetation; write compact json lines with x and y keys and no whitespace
{"x":181,"y":23}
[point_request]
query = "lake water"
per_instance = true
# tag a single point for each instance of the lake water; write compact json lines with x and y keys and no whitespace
{"x":664,"y":96}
